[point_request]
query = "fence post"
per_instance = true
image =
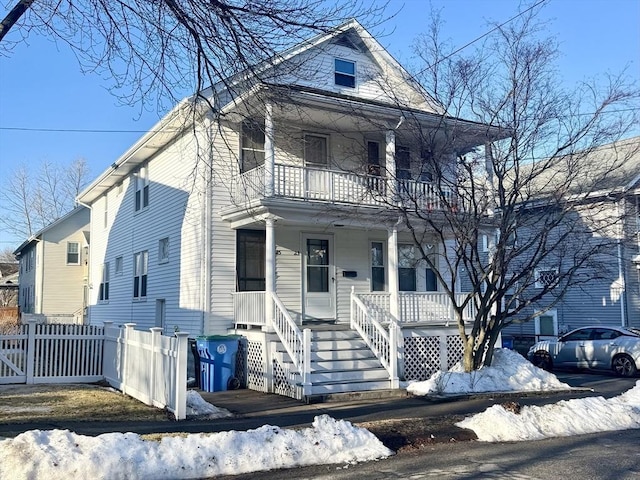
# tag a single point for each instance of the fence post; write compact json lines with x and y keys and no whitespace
{"x":31,"y":349}
{"x":125,"y":355}
{"x":180,"y":408}
{"x":393,"y":355}
{"x":155,"y":341}
{"x":306,"y":362}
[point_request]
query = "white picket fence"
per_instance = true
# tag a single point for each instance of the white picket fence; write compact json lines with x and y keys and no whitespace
{"x":145,"y":365}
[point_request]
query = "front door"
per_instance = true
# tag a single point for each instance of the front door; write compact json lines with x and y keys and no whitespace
{"x":319,"y":295}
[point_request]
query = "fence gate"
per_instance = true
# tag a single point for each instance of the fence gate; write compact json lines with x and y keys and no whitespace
{"x":13,"y":355}
{"x":39,"y":353}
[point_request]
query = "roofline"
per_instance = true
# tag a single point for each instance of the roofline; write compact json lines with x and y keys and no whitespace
{"x":39,"y":233}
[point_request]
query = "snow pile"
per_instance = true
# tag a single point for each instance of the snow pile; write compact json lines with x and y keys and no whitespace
{"x":61,"y":454}
{"x":565,"y":418}
{"x":197,"y":406}
{"x":509,"y":372}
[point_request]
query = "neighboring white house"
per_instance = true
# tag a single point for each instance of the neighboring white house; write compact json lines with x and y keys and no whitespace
{"x":53,"y":268}
{"x":276,"y":214}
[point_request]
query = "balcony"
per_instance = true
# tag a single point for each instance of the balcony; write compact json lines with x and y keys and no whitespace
{"x":337,"y":187}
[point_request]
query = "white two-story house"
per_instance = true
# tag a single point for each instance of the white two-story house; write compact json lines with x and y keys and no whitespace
{"x":271,"y":210}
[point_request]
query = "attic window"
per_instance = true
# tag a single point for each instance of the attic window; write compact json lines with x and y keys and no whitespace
{"x":345,"y":73}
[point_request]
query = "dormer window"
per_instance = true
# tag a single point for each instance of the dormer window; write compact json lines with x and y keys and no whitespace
{"x":345,"y":73}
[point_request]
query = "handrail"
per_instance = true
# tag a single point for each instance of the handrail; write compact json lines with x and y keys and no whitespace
{"x":383,"y":343}
{"x":297,"y":343}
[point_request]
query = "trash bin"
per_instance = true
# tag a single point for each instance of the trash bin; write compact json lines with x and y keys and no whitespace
{"x":218,"y":362}
{"x":507,"y":342}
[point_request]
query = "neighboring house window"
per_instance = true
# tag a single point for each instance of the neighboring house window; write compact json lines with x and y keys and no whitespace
{"x":403,"y":163}
{"x":377,"y":267}
{"x":250,"y":258}
{"x":316,"y":151}
{"x":140,"y":262}
{"x":163,"y":250}
{"x":406,"y":268}
{"x":426,"y":166}
{"x":345,"y":73}
{"x":510,"y":300}
{"x":119,"y":266}
{"x":545,"y":277}
{"x":73,"y":253}
{"x":141,"y":180}
{"x":103,"y":292}
{"x":252,"y":146}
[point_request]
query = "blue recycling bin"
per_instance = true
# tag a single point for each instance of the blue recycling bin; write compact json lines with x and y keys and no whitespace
{"x":218,"y":362}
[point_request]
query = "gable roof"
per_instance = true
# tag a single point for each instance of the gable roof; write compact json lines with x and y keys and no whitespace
{"x":38,"y":235}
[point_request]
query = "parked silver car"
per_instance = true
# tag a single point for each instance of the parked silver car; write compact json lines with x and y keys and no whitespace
{"x":598,"y":347}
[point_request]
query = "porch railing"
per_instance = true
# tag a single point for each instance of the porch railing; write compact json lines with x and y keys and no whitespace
{"x":379,"y":331}
{"x":297,"y":343}
{"x":335,"y":186}
{"x":421,"y":307}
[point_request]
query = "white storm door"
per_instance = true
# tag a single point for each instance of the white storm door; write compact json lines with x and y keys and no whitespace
{"x":318,"y":277}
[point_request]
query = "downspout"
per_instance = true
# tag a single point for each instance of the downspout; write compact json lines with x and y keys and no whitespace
{"x":206,"y":225}
{"x":621,"y":270}
{"x":85,"y":298}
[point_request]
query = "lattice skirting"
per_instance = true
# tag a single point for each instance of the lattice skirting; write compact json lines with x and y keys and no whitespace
{"x":426,"y":354}
{"x":285,"y":382}
{"x":255,"y":376}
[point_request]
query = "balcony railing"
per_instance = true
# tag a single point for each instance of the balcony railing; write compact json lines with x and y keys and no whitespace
{"x":334,"y":186}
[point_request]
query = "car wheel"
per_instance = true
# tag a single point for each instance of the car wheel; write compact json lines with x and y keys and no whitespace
{"x":542,"y":360}
{"x":624,"y":366}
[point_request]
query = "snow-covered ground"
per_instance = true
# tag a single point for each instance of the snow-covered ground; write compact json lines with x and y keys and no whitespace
{"x":59,"y":454}
{"x":511,"y":372}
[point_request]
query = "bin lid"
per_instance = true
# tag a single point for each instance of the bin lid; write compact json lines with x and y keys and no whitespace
{"x":219,"y":337}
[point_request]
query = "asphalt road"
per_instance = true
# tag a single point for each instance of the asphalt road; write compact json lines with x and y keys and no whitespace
{"x":603,"y":456}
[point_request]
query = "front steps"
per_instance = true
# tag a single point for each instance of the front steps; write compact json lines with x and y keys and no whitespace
{"x":340,"y":363}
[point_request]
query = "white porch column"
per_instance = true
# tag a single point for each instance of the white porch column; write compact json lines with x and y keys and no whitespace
{"x":392,"y":255}
{"x":269,"y":270}
{"x":390,"y":162}
{"x":269,"y":151}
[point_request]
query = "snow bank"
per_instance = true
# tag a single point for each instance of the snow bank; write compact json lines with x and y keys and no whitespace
{"x":565,"y":418}
{"x":197,"y":406}
{"x":61,"y":454}
{"x":509,"y":372}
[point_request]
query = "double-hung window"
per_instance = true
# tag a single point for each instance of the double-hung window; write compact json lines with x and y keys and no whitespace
{"x":377,"y":267}
{"x":403,"y":163}
{"x":252,"y":146}
{"x":345,"y":73}
{"x":141,"y":180}
{"x":140,"y":262}
{"x":103,"y":292}
{"x":407,"y":268}
{"x":73,"y":253}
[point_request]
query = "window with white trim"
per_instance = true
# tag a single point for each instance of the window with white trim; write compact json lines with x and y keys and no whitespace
{"x":345,"y":73}
{"x":140,"y":263}
{"x":119,"y":265}
{"x":545,"y":277}
{"x":106,"y":211}
{"x":377,"y":267}
{"x":163,"y":250}
{"x":73,"y":253}
{"x":407,"y":268}
{"x":252,"y":146}
{"x":141,"y":183}
{"x":403,"y":163}
{"x":316,"y":151}
{"x":103,"y":291}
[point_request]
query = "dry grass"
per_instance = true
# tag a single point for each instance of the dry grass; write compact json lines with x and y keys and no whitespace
{"x":9,"y":322}
{"x":82,"y":403}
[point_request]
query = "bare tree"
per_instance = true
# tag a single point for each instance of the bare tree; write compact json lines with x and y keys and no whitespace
{"x":160,"y":49}
{"x":35,"y":197}
{"x":536,"y":199}
{"x":7,"y":256}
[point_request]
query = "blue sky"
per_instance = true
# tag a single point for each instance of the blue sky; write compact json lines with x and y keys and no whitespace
{"x":41,"y":86}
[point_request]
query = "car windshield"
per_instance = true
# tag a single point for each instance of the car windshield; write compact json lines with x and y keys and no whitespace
{"x":633,"y":331}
